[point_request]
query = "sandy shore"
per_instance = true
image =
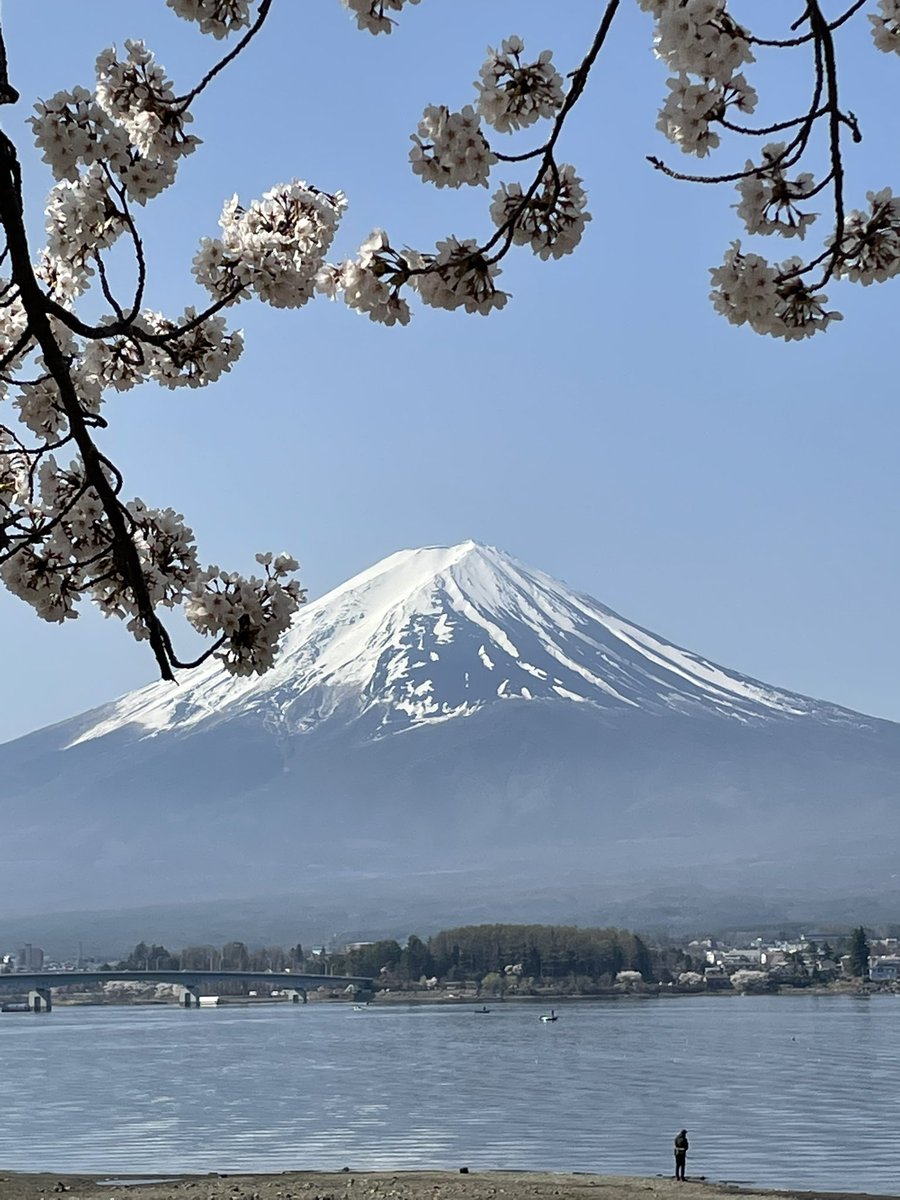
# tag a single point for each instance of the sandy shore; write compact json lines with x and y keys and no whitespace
{"x":385,"y":1185}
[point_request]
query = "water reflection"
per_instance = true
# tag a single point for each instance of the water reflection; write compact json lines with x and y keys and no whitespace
{"x":783,"y":1091}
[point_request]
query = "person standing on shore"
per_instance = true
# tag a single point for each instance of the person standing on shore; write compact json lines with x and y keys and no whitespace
{"x":681,"y":1149}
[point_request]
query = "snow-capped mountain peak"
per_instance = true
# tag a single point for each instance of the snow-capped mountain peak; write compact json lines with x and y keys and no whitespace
{"x":443,"y":632}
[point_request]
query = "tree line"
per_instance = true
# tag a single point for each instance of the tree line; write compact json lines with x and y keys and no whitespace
{"x":496,"y":958}
{"x":546,"y":953}
{"x":233,"y":956}
{"x":514,"y":954}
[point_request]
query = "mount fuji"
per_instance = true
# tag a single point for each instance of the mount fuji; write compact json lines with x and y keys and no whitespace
{"x":448,"y":735}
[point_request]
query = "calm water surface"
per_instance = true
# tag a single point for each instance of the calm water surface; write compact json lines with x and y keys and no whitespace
{"x":784,"y":1091}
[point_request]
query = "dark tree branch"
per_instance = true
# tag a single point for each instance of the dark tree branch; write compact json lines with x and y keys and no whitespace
{"x":183,"y":101}
{"x":8,"y":94}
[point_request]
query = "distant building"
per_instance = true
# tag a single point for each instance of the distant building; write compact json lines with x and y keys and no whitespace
{"x":29,"y":958}
{"x":716,"y":977}
{"x":748,"y":957}
{"x":883,"y":968}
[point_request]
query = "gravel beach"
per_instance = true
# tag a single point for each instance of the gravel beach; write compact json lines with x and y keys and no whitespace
{"x":385,"y":1185}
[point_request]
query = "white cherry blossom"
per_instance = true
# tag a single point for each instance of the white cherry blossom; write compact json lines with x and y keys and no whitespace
{"x":869,"y":251}
{"x":701,"y":38}
{"x":461,"y":278}
{"x":691,"y":107}
{"x":371,"y":284}
{"x":82,"y":219}
{"x":218,"y":17}
{"x":136,"y":94}
{"x":120,"y":363}
{"x":372,"y":14}
{"x":512,"y":94}
{"x":553,"y":220}
{"x":275,"y":247}
{"x":886,"y":26}
{"x":73,"y":131}
{"x":251,"y":614}
{"x":449,"y":148}
{"x":769,"y":200}
{"x":195,"y":358}
{"x":749,"y":290}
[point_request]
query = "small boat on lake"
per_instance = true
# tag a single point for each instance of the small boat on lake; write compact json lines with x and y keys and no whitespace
{"x":548,"y":1017}
{"x":482,"y":1009}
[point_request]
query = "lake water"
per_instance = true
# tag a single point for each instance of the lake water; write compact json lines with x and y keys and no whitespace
{"x":783,"y":1091}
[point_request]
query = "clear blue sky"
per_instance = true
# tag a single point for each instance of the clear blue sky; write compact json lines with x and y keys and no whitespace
{"x":734,"y":494}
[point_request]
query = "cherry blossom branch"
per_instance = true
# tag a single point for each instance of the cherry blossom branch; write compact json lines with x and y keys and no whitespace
{"x":182,"y":103}
{"x":822,"y":31}
{"x":34,"y":302}
{"x":579,"y":82}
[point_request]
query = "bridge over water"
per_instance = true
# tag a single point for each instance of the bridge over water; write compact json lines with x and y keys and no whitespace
{"x":40,"y":984}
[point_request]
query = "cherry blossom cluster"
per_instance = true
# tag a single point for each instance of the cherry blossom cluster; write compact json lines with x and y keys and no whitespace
{"x":73,"y":130}
{"x":274,"y":248}
{"x":551,"y":220}
{"x":82,"y":220}
{"x":886,"y":26}
{"x":709,"y":96}
{"x":40,"y":409}
{"x":512,"y":95}
{"x":131,"y":126}
{"x":218,"y":17}
{"x":371,"y":283}
{"x":14,"y":334}
{"x":777,"y":301}
{"x":168,"y":563}
{"x":193,"y":352}
{"x":461,"y":277}
{"x":249,"y":615}
{"x":701,"y":43}
{"x":449,"y":148}
{"x":136,"y":94}
{"x":699,"y":37}
{"x":769,"y":201}
{"x":372,"y":14}
{"x":692,"y":107}
{"x":869,"y":251}
{"x":14,"y":470}
{"x":76,"y":556}
{"x":119,"y":362}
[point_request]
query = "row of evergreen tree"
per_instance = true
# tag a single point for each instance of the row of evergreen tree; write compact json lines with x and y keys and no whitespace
{"x":540,"y":952}
{"x":547,"y":953}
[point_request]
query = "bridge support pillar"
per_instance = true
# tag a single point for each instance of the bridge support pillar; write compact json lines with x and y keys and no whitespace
{"x":39,"y":1000}
{"x":191,"y":997}
{"x":296,"y":995}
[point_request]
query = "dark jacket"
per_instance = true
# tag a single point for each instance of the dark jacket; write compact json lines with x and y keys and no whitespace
{"x":681,"y":1144}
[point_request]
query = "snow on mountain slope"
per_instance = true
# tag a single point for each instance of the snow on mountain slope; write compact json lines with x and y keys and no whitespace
{"x":440,"y":633}
{"x":448,"y":710}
